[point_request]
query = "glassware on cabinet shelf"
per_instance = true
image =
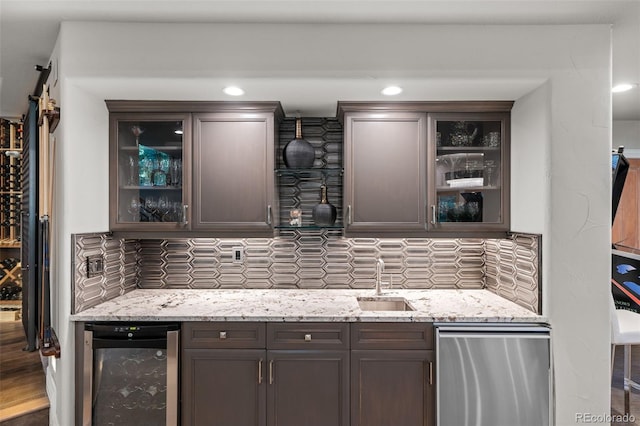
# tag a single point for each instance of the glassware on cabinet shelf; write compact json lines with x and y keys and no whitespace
{"x":164,"y":208}
{"x":491,"y":140}
{"x":463,"y":207}
{"x":176,"y":212}
{"x":295,"y":216}
{"x":137,"y":131}
{"x":468,"y":135}
{"x":134,"y":178}
{"x":460,"y":170}
{"x":134,"y":209}
{"x":491,"y":175}
{"x":158,"y":174}
{"x":146,"y":172}
{"x":175,"y":171}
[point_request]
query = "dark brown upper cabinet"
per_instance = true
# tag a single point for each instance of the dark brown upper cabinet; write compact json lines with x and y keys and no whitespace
{"x":199,"y":168}
{"x":470,"y":178}
{"x":149,"y":163}
{"x":426,"y":168}
{"x":385,"y":172}
{"x":233,"y":180}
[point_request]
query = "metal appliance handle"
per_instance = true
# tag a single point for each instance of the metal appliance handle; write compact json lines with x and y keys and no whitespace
{"x":87,"y":379}
{"x":173,"y":337}
{"x":506,"y":335}
{"x":122,"y":343}
{"x":444,"y":329}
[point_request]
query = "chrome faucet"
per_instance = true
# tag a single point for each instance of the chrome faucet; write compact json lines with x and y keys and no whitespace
{"x":379,"y":270}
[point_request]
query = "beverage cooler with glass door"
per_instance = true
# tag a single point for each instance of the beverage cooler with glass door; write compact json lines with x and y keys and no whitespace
{"x":130,"y":374}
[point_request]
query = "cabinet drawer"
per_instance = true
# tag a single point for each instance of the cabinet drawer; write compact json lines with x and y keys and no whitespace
{"x":231,"y":335}
{"x":392,"y":336}
{"x":307,"y":336}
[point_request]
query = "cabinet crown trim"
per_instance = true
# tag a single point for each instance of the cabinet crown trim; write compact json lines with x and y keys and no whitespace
{"x":423,"y":106}
{"x":119,"y":105}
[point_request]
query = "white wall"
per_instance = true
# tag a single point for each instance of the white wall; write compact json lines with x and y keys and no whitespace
{"x":560,"y":146}
{"x":627,"y":133}
{"x":530,"y":161}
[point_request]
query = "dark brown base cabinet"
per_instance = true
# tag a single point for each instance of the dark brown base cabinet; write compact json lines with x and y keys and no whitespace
{"x":307,"y":374}
{"x":391,"y":388}
{"x":392,"y":381}
{"x":308,"y":387}
{"x":297,"y":376}
{"x":222,"y":387}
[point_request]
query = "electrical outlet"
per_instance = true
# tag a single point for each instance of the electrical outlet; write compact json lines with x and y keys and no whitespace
{"x":238,"y":254}
{"x":95,"y":265}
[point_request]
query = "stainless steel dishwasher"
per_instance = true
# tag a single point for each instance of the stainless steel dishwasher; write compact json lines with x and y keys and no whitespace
{"x":493,"y":375}
{"x":130,"y":374}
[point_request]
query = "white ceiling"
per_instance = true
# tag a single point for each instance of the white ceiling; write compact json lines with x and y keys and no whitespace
{"x":28,"y":28}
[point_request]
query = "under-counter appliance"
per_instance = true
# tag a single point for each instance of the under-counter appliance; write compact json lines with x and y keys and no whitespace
{"x":130,"y":374}
{"x":493,"y":375}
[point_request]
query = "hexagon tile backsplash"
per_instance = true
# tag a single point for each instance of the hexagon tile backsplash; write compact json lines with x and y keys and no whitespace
{"x":310,"y":259}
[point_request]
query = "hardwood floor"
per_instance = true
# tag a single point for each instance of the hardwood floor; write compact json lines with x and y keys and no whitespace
{"x":22,"y":378}
{"x":35,"y":418}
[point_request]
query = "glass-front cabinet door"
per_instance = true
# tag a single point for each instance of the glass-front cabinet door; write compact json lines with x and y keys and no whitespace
{"x":470,"y":177}
{"x":150,"y":171}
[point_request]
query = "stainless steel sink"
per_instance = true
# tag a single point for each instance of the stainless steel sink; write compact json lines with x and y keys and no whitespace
{"x":384,"y":304}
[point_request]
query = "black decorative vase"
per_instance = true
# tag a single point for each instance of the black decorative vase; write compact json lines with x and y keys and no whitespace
{"x":324,"y":214}
{"x":298,"y":153}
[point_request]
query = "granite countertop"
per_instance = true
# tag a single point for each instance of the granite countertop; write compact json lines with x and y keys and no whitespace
{"x":305,"y":305}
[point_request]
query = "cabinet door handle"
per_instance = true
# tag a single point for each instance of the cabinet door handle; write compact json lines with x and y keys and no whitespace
{"x":349,"y":214}
{"x":223,"y":335}
{"x":185,"y":221}
{"x":271,"y":372}
{"x":269,"y":214}
{"x":307,"y":337}
{"x":434,"y":220}
{"x":430,"y":373}
{"x":260,"y":371}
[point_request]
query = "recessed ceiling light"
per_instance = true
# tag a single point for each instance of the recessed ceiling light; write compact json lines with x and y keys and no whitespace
{"x":391,"y":90}
{"x":233,"y":91}
{"x":178,"y":131}
{"x":623,"y":87}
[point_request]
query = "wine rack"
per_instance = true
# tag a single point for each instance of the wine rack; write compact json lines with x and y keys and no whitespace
{"x":10,"y":184}
{"x":10,"y":279}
